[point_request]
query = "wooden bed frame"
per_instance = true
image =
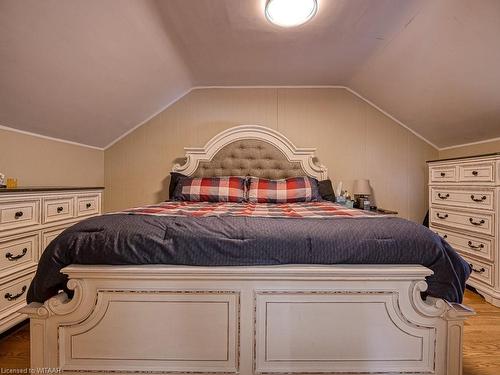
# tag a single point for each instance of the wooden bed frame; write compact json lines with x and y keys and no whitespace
{"x":248,"y":320}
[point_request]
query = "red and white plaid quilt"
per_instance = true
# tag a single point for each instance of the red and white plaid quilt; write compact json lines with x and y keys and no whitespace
{"x":321,"y":209}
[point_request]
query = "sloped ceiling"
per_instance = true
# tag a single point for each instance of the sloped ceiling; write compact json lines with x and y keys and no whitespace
{"x":85,"y":70}
{"x":89,"y":71}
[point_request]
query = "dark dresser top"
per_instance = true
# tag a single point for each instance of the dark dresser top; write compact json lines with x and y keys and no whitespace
{"x":24,"y":189}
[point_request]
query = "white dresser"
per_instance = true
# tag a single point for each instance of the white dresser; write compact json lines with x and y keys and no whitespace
{"x":464,"y":210}
{"x":29,"y":219}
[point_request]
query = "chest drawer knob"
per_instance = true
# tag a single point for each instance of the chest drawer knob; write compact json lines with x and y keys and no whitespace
{"x":13,"y":297}
{"x":60,"y":209}
{"x":88,"y":205}
{"x":478,"y":199}
{"x":18,"y":214}
{"x":472,"y":246}
{"x":481,"y":270}
{"x":11,"y":257}
{"x":443,"y":196}
{"x":442,"y":174}
{"x":480,"y":222}
{"x":441,"y":216}
{"x":475,"y":173}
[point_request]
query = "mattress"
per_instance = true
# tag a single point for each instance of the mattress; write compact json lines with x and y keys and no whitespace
{"x":242,"y":234}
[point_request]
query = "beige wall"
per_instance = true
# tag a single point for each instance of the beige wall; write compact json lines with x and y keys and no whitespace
{"x":353,"y":139}
{"x":477,"y":149}
{"x":37,"y":161}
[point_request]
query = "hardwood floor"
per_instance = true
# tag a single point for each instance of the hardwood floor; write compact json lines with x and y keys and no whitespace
{"x":15,"y":348}
{"x":481,"y":338}
{"x":481,"y":341}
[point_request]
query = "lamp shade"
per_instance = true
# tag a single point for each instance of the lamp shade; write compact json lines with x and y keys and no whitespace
{"x":362,"y":187}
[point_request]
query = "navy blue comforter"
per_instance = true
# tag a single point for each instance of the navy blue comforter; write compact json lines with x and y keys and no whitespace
{"x":220,"y":241}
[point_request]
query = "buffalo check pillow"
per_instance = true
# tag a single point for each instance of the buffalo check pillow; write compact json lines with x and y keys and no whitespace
{"x":210,"y":189}
{"x":290,"y":190}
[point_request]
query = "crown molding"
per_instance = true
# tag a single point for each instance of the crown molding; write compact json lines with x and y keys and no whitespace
{"x":148,"y":119}
{"x":350,"y":90}
{"x":14,"y":130}
{"x":355,"y":93}
{"x":470,"y":144}
{"x":400,"y":123}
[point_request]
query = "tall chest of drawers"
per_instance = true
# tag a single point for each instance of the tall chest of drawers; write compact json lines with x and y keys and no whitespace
{"x":464,"y":210}
{"x":29,"y":219}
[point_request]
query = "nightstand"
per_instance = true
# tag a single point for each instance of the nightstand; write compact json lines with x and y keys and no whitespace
{"x":383,"y":211}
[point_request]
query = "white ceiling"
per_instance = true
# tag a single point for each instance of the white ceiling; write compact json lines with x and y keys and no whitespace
{"x":85,"y":70}
{"x":89,"y":71}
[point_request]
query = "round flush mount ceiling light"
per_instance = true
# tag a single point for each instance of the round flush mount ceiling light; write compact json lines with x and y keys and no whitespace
{"x":289,"y":13}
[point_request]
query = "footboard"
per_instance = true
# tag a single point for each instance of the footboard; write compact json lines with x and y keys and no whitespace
{"x":248,"y":320}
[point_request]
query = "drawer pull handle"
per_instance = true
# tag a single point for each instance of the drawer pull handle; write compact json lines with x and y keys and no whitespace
{"x":480,"y":222}
{"x":475,"y":173}
{"x":11,"y":257}
{"x":478,"y":199}
{"x":481,"y":270}
{"x":446,"y":196}
{"x":442,"y":217}
{"x":88,"y":205}
{"x":443,"y":174}
{"x":480,"y":246}
{"x":13,"y":297}
{"x":18,"y":214}
{"x":60,"y":209}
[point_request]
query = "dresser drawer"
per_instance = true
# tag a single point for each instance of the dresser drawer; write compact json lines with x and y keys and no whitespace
{"x":443,"y":174}
{"x":56,"y":209}
{"x":19,"y":213}
{"x":482,"y":172}
{"x":481,"y":271}
{"x":473,"y":198}
{"x":87,"y":205}
{"x":49,"y":235}
{"x":18,"y":253}
{"x":470,"y":245}
{"x":14,"y":293}
{"x":472,"y":221}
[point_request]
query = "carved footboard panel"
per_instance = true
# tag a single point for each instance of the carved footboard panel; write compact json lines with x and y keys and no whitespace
{"x":247,"y":320}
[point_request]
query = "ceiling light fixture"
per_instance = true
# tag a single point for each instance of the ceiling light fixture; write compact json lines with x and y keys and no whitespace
{"x":289,"y":13}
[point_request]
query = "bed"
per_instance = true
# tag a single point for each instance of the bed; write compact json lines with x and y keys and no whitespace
{"x":288,"y":306}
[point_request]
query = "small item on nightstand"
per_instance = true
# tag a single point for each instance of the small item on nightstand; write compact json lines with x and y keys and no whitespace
{"x":11,"y":183}
{"x":2,"y":181}
{"x":344,"y":198}
{"x":366,"y":204}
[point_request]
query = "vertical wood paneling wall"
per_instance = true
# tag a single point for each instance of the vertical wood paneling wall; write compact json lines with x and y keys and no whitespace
{"x":353,"y":139}
{"x":36,"y":161}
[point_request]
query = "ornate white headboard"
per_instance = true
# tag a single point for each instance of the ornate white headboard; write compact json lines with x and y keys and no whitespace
{"x":251,"y":150}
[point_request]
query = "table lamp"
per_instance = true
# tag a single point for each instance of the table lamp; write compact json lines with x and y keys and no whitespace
{"x":362,"y":191}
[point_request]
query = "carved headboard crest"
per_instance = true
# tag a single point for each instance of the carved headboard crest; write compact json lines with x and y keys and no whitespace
{"x":251,"y":150}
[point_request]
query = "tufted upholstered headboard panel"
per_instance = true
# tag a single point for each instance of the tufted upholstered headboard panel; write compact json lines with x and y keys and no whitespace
{"x":249,"y":157}
{"x":251,"y":150}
